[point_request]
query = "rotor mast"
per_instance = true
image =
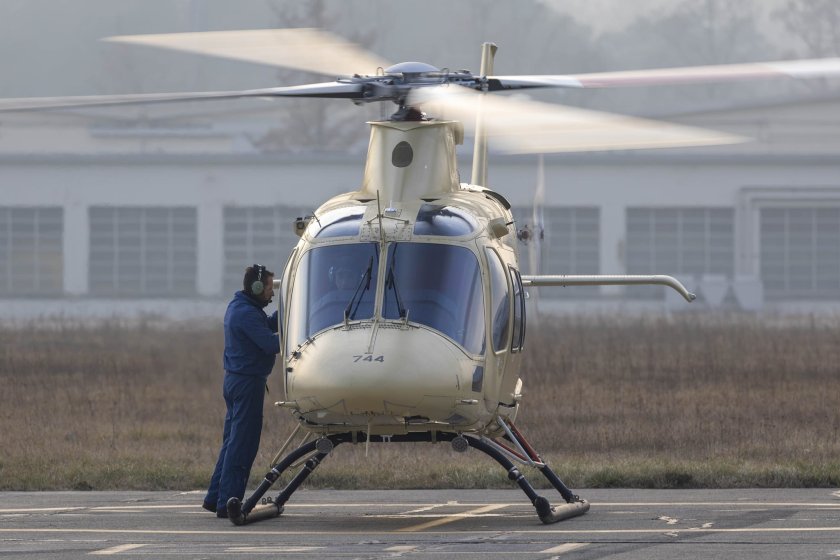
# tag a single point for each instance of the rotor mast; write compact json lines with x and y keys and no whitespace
{"x":479,"y":169}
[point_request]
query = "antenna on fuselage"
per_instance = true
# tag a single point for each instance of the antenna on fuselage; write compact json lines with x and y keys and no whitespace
{"x":479,"y":169}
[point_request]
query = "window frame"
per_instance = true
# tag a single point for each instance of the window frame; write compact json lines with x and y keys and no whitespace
{"x":517,"y":344}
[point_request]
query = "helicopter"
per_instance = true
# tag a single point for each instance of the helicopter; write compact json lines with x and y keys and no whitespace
{"x":402,"y":306}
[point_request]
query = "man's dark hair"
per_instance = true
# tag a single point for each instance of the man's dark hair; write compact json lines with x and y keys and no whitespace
{"x":251,"y":274}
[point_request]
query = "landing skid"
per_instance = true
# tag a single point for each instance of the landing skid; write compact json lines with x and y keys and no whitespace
{"x":241,"y":513}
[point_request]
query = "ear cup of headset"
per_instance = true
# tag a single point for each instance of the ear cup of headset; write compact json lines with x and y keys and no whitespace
{"x":257,"y":285}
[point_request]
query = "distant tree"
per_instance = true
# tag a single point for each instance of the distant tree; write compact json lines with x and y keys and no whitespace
{"x":691,"y":33}
{"x":814,"y":22}
{"x":315,"y":124}
{"x":532,"y":39}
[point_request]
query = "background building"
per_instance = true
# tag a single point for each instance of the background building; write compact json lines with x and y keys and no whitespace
{"x":745,"y":225}
{"x":127,"y":204}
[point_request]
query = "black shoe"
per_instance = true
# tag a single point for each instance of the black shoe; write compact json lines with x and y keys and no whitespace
{"x":222,"y":513}
{"x":209,"y":507}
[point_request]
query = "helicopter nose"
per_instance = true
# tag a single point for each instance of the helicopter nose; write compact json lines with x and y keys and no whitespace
{"x":410,"y":372}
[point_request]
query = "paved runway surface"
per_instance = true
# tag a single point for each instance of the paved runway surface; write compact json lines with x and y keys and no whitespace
{"x":463,"y":524}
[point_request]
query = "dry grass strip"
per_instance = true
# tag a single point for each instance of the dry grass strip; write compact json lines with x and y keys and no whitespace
{"x":681,"y":401}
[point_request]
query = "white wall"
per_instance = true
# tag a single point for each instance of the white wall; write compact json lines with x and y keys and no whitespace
{"x":209,"y":184}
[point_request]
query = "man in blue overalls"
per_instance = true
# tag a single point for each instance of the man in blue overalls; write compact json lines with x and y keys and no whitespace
{"x":251,"y":344}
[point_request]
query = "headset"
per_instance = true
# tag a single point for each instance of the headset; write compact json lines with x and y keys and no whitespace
{"x":257,"y":285}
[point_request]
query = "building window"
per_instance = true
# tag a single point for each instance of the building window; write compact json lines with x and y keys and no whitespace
{"x":571,"y":245}
{"x":686,"y":243}
{"x":31,"y":261}
{"x":256,"y":234}
{"x":142,"y":251}
{"x":800,"y":253}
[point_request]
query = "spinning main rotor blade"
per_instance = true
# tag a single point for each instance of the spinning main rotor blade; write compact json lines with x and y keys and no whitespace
{"x":813,"y":68}
{"x":517,"y":126}
{"x":325,"y":90}
{"x":311,"y":50}
{"x":318,"y":51}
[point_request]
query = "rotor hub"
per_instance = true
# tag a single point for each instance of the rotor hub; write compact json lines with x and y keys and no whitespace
{"x":411,"y":68}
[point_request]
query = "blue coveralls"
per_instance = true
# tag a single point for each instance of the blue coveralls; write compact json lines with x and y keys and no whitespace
{"x":251,"y":344}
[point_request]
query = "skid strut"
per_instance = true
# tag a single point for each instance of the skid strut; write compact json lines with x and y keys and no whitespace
{"x":241,"y":513}
{"x":548,"y":514}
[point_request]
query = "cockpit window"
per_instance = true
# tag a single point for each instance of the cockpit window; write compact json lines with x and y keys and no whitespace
{"x":342,"y":222}
{"x":449,"y":221}
{"x":331,"y":281}
{"x":518,"y":339}
{"x":500,"y":301}
{"x":438,"y":286}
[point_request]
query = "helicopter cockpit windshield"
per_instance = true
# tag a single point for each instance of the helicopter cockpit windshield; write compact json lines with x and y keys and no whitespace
{"x":341,"y":222}
{"x":436,"y":219}
{"x":331,"y":281}
{"x":438,"y":286}
{"x":431,"y":284}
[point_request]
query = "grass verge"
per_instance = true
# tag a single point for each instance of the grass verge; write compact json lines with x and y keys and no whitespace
{"x":680,"y":402}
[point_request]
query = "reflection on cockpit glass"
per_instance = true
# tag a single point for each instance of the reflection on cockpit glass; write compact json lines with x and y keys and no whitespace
{"x":342,"y":222}
{"x":330,"y":282}
{"x":438,"y":286}
{"x":435,"y":219}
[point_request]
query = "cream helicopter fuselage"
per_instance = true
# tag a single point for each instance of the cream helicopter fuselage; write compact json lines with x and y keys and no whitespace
{"x":429,"y":335}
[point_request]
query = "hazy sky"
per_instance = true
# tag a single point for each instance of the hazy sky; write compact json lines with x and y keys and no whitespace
{"x":51,"y":46}
{"x":622,"y":12}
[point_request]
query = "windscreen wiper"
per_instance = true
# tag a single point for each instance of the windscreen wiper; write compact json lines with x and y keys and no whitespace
{"x":365,"y":280}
